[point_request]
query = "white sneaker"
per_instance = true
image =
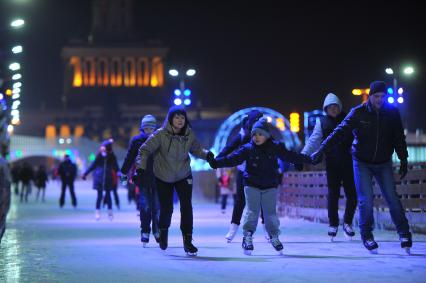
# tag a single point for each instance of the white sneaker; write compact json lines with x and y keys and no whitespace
{"x":232,"y":231}
{"x":110,"y":215}
{"x":97,"y":214}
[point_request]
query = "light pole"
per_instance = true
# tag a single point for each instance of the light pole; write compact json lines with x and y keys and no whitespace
{"x":182,"y":95}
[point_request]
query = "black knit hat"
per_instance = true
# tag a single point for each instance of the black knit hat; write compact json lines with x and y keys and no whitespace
{"x":262,"y":127}
{"x":108,"y":144}
{"x":377,"y":86}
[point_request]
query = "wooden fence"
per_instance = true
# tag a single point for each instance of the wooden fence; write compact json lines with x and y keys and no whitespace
{"x":304,"y":195}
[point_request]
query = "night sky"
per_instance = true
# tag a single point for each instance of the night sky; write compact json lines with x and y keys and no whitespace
{"x":258,"y":54}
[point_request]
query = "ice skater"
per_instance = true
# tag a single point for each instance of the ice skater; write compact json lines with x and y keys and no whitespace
{"x":172,"y":144}
{"x":338,"y":166}
{"x":260,"y":180}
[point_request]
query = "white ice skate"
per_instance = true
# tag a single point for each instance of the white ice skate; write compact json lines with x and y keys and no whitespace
{"x":232,"y":232}
{"x":277,"y":245}
{"x":97,"y":214}
{"x":248,"y":244}
{"x":332,"y":232}
{"x":348,"y":231}
{"x":110,"y":215}
{"x":267,"y":237}
{"x":371,"y":245}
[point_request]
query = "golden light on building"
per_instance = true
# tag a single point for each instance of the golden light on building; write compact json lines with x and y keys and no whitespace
{"x":78,"y":131}
{"x":295,"y":122}
{"x":363,"y":91}
{"x":116,"y":71}
{"x":280,"y":124}
{"x":50,"y":132}
{"x":8,"y":92}
{"x":65,"y":131}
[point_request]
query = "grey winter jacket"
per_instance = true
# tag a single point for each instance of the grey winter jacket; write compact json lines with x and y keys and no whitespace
{"x":171,"y":158}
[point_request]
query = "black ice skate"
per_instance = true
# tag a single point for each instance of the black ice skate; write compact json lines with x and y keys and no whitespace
{"x":157,"y":237}
{"x":164,"y":238}
{"x":278,"y":246}
{"x":144,"y":239}
{"x":332,"y":232}
{"x":248,"y":243}
{"x":406,"y":243}
{"x":371,"y":245}
{"x":189,"y":248}
{"x":349,"y":232}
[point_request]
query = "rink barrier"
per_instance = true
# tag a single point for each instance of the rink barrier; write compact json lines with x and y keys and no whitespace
{"x":304,"y":195}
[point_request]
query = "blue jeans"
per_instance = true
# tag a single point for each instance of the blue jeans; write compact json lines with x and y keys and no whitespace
{"x":149,"y":209}
{"x":383,"y":173}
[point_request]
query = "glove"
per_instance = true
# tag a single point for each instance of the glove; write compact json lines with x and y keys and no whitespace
{"x":316,"y":157}
{"x":209,"y":157}
{"x":123,"y":180}
{"x":403,"y":169}
{"x":83,"y":177}
{"x":137,"y":177}
{"x":298,"y":166}
{"x":213,"y":163}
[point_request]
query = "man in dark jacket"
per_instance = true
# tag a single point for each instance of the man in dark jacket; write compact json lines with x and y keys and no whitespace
{"x":67,"y":171}
{"x":148,"y":197}
{"x":378,"y":131}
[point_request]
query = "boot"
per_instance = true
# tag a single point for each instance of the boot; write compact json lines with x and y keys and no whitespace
{"x":144,"y":238}
{"x":232,"y":231}
{"x":189,"y":248}
{"x":97,"y":214}
{"x":164,"y":234}
{"x":248,"y":243}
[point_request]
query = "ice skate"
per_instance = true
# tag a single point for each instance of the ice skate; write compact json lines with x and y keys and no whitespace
{"x":248,"y":243}
{"x":232,"y":232}
{"x":144,"y":239}
{"x":110,"y":215}
{"x":371,"y":245}
{"x":164,"y":237}
{"x":348,"y":231}
{"x":189,"y":248}
{"x":157,"y":237}
{"x":97,"y":214}
{"x":276,"y":243}
{"x":267,"y":237}
{"x":332,"y":232}
{"x":406,"y":244}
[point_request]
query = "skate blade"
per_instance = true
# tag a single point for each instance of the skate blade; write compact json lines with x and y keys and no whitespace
{"x":144,"y":245}
{"x":407,"y":250}
{"x":228,"y":240}
{"x":374,"y":252}
{"x":332,"y":239}
{"x":247,"y":252}
{"x":349,"y":238}
{"x":280,"y":252}
{"x":191,"y":254}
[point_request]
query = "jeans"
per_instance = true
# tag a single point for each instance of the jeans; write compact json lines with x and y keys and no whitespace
{"x":267,"y":200}
{"x":72,"y":193}
{"x":165,"y":196}
{"x":107,"y":199}
{"x":383,"y":173}
{"x":149,"y":209}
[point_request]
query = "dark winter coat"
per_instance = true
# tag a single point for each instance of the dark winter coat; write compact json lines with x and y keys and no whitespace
{"x":376,"y":134}
{"x":104,"y":172}
{"x":67,"y":171}
{"x":132,"y":153}
{"x":40,"y":179}
{"x":261,"y":162}
{"x":26,"y":174}
{"x":15,"y":172}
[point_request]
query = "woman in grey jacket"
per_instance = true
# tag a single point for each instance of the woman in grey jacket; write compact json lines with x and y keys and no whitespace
{"x":170,"y":146}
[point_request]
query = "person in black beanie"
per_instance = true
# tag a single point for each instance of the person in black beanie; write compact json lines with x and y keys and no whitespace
{"x":378,"y":132}
{"x":171,"y":145}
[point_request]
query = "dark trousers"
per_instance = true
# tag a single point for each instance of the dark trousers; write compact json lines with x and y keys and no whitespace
{"x":149,"y":209}
{"x":70,"y":185}
{"x":165,"y":196}
{"x":240,"y":201}
{"x":339,"y":174}
{"x":107,"y":199}
{"x":25,"y":191}
{"x":224,"y":200}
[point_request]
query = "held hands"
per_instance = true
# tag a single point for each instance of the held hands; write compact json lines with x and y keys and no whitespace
{"x":316,"y":157}
{"x":137,"y":177}
{"x":403,"y":169}
{"x":83,"y":177}
{"x":124,"y":179}
{"x":210,"y":159}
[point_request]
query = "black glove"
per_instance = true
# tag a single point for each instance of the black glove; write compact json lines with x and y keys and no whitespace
{"x":137,"y":177}
{"x":298,"y":166}
{"x":316,"y":157}
{"x":209,"y":157}
{"x":403,"y":169}
{"x":213,"y":163}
